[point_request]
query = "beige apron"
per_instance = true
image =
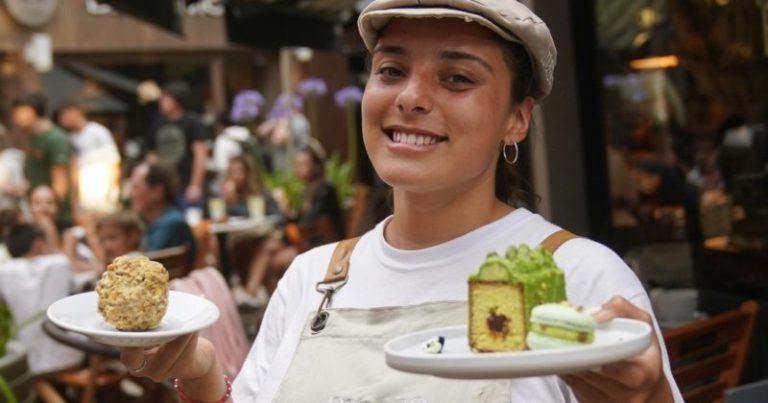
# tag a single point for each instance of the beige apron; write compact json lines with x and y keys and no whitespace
{"x":340,"y":356}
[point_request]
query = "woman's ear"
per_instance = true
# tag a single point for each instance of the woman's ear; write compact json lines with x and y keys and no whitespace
{"x":519,"y":121}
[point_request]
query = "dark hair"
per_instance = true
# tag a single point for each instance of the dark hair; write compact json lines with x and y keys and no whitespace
{"x":21,"y":237}
{"x":9,"y":216}
{"x":317,"y":155}
{"x":158,"y":175}
{"x":254,"y":185}
{"x":508,"y":178}
{"x":36,"y":101}
{"x":125,"y":221}
{"x":180,"y":92}
{"x":72,"y":103}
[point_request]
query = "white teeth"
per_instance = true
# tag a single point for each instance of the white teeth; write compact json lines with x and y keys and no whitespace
{"x":413,"y":139}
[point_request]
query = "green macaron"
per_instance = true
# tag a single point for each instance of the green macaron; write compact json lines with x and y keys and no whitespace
{"x":559,"y":325}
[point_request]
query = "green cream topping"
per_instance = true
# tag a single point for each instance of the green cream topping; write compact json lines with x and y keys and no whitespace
{"x":534,"y":268}
{"x":562,"y":333}
{"x":494,"y":268}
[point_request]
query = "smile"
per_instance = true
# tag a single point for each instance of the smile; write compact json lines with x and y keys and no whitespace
{"x":413,"y":139}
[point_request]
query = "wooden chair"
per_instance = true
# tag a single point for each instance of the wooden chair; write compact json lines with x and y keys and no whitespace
{"x":87,"y":380}
{"x":177,"y":260}
{"x":707,"y":356}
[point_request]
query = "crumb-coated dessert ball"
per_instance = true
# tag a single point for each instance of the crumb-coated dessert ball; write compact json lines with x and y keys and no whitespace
{"x":133,"y":293}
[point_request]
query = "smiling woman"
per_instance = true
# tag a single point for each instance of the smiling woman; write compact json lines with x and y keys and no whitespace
{"x":452,"y":87}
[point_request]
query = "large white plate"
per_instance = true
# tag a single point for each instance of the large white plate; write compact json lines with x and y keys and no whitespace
{"x":186,"y":314}
{"x":614,"y":341}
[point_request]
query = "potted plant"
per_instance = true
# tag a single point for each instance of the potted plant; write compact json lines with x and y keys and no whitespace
{"x":14,"y":372}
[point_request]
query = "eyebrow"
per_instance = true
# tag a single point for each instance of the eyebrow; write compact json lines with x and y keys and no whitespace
{"x":446,"y":54}
{"x":457,"y":55}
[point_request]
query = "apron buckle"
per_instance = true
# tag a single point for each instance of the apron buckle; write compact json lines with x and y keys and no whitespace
{"x":321,"y":317}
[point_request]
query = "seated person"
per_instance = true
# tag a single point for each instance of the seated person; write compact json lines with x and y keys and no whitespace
{"x":45,"y":210}
{"x":153,"y":197}
{"x":319,"y":199}
{"x":29,"y":283}
{"x":241,"y":182}
{"x":44,"y":207}
{"x":119,"y":234}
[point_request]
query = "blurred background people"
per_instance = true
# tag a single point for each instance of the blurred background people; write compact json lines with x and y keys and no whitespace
{"x":29,"y":283}
{"x":47,"y":149}
{"x":242,"y":183}
{"x":97,"y":168}
{"x":319,"y":199}
{"x":119,"y":234}
{"x":61,"y":236}
{"x":153,"y":196}
{"x":12,"y":180}
{"x":181,"y":142}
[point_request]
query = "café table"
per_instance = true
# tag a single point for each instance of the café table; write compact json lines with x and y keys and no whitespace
{"x":259,"y":227}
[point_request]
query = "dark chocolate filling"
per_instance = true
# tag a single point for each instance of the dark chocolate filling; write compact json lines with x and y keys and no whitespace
{"x":497,"y":323}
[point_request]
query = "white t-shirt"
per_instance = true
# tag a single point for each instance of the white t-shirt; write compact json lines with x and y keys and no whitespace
{"x":97,"y":162}
{"x":29,"y":286}
{"x":381,"y":275}
{"x":94,"y":144}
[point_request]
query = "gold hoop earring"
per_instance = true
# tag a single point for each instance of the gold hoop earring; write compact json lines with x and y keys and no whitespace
{"x":504,"y":153}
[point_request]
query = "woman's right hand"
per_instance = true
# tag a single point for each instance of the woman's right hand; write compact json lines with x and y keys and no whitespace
{"x":186,"y":358}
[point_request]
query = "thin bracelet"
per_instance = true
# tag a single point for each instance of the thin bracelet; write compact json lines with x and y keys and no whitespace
{"x":184,"y":398}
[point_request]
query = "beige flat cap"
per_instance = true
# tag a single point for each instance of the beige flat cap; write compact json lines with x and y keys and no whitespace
{"x":508,"y":18}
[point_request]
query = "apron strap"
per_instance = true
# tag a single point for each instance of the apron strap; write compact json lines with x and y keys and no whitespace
{"x":335,"y":278}
{"x":554,"y":241}
{"x":338,"y":267}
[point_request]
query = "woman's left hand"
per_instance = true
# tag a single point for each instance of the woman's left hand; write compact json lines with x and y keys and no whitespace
{"x":638,"y":379}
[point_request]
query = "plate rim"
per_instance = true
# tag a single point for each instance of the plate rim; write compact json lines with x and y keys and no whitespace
{"x":488,"y":363}
{"x":119,"y":334}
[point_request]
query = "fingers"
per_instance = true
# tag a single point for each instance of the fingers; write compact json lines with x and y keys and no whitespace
{"x":165,"y":363}
{"x":159,"y":363}
{"x":620,"y":307}
{"x":132,"y":357}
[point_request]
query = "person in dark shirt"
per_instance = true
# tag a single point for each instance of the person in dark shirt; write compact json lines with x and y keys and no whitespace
{"x":181,"y":142}
{"x":152,"y":197}
{"x":319,"y":198}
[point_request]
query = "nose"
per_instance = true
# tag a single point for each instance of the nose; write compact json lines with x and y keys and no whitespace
{"x":416,"y":97}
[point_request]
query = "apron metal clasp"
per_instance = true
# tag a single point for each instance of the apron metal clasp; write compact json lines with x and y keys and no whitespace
{"x":321,"y":316}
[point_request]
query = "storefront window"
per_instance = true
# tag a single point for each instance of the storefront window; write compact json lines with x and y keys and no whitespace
{"x":684,"y":86}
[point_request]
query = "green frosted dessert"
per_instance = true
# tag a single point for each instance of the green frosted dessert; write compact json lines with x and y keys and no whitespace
{"x":504,"y":291}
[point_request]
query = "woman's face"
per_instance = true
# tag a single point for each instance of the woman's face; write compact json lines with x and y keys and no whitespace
{"x":42,"y":202}
{"x":304,"y":166}
{"x":237,"y":173}
{"x":437,"y":105}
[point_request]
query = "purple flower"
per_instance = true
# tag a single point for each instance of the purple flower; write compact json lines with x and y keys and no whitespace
{"x":313,"y":86}
{"x":280,"y":108}
{"x":246,"y":106}
{"x":347,"y":95}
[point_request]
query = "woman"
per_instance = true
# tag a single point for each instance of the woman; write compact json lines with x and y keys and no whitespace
{"x":439,"y":125}
{"x":71,"y":241}
{"x":271,"y":257}
{"x":319,"y":200}
{"x":242,"y":182}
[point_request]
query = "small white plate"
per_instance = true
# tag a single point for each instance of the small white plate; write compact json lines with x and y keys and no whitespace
{"x":614,"y":341}
{"x":186,"y":314}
